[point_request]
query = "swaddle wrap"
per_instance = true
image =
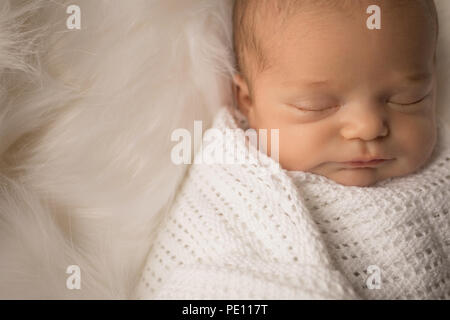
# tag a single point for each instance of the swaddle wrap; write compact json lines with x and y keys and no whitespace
{"x":252,"y":230}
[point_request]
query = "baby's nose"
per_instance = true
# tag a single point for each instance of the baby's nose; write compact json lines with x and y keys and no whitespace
{"x":365,"y":122}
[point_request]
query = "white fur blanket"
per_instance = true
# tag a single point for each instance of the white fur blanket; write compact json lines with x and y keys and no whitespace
{"x":85,"y":123}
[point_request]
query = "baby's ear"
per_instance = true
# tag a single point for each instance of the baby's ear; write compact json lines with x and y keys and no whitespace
{"x":242,"y":94}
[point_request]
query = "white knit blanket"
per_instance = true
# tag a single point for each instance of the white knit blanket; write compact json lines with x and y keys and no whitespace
{"x":255,"y":231}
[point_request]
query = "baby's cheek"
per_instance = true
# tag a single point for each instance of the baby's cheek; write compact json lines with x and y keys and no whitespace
{"x":417,"y":138}
{"x":423,"y":148}
{"x":299,"y":150}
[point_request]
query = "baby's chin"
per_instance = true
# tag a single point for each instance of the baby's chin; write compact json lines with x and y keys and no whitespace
{"x":369,"y":176}
{"x":357,"y":177}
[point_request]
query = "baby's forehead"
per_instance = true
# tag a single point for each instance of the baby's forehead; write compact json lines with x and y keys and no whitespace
{"x":259,"y":25}
{"x":274,"y":16}
{"x":284,"y":8}
{"x":261,"y":12}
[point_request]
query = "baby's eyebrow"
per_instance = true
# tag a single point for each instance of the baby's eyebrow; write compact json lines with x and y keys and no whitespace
{"x":414,"y":78}
{"x":418,"y":77}
{"x":308,"y":82}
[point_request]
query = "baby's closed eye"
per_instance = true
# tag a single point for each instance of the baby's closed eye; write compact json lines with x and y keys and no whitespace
{"x":315,"y":104}
{"x":401,"y":99}
{"x":410,"y":99}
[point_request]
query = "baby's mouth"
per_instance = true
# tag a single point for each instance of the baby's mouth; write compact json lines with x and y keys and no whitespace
{"x":370,"y":163}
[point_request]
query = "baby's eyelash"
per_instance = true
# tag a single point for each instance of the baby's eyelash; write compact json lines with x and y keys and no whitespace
{"x":317,"y":111}
{"x":413,"y":103}
{"x":302,"y":108}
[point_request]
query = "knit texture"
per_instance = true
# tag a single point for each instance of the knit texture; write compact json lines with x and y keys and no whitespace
{"x":255,"y":231}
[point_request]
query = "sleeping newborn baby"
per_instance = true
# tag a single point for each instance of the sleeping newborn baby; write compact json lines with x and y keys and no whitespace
{"x":356,"y":205}
{"x":352,"y":104}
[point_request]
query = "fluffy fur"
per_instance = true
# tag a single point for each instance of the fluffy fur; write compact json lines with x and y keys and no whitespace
{"x":85,"y":124}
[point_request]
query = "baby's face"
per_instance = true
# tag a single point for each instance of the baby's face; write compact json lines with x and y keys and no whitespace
{"x":338,"y":92}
